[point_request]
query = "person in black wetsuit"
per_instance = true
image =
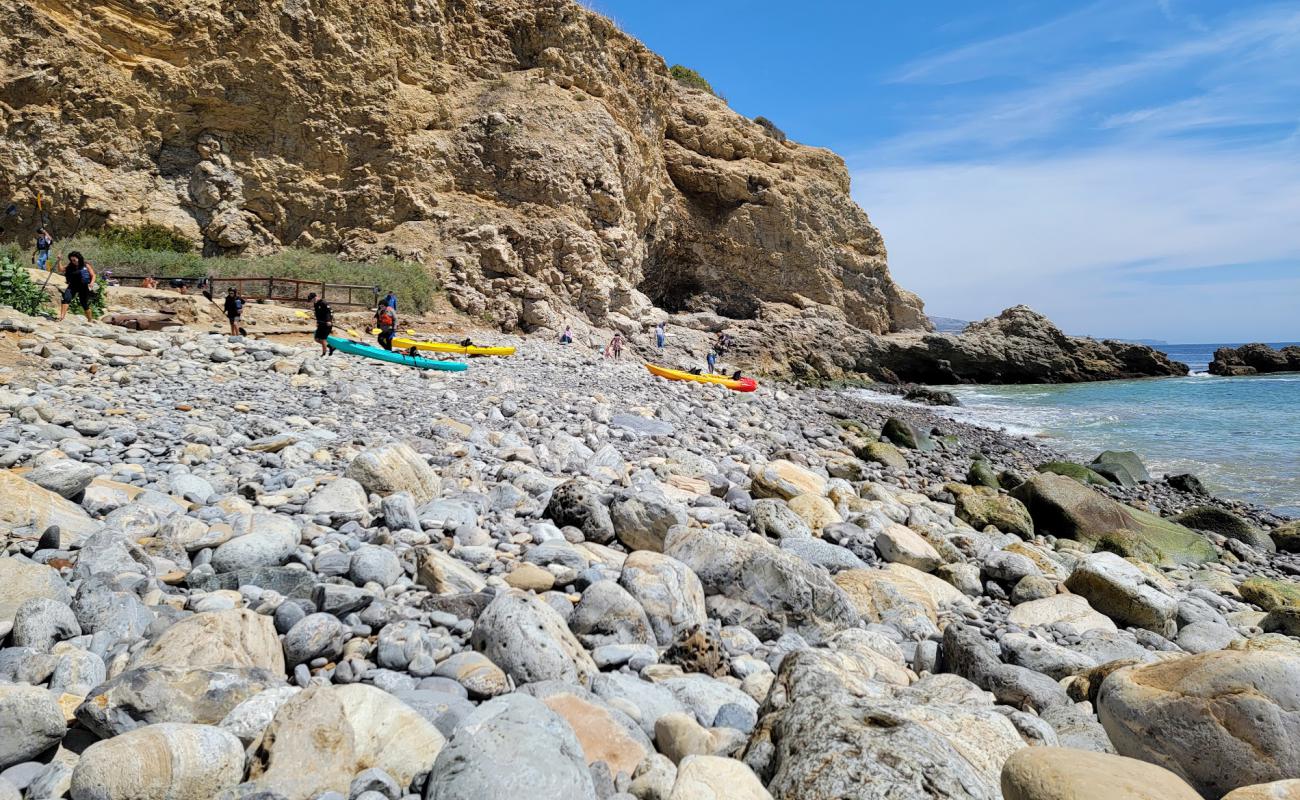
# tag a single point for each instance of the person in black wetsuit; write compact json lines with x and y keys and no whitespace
{"x":324,"y":322}
{"x":81,"y":285}
{"x":234,"y":307}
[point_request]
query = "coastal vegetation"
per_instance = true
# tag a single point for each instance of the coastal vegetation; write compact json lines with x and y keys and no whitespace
{"x":689,"y":77}
{"x":156,"y":251}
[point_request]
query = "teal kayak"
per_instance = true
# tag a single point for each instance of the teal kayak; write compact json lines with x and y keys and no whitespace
{"x":392,"y":356}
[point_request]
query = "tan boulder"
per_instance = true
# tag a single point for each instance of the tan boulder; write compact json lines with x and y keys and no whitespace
{"x":530,"y":577}
{"x":786,"y":480}
{"x":1061,"y":773}
{"x":1071,"y":610}
{"x":601,"y":735}
{"x":1277,"y":790}
{"x":171,"y":760}
{"x":22,"y":580}
{"x":235,"y":637}
{"x":440,"y":573}
{"x":325,"y":735}
{"x":1221,"y":720}
{"x":392,"y":468}
{"x":815,"y":510}
{"x":26,"y":510}
{"x":716,"y":778}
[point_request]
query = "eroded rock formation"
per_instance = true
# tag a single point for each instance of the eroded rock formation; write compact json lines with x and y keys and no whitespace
{"x":538,"y":159}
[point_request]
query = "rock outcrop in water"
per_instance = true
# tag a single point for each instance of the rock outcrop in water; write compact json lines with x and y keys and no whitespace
{"x":541,"y":161}
{"x":1255,"y":359}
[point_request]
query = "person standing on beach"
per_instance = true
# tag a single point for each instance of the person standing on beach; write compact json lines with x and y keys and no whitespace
{"x":234,"y":307}
{"x":81,"y":282}
{"x":324,"y":322}
{"x":386,"y":319}
{"x":661,"y":333}
{"x":41,"y":255}
{"x":614,"y":349}
{"x":712,"y":360}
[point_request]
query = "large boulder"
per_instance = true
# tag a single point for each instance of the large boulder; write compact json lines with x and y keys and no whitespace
{"x":1270,"y":594}
{"x":578,"y":502}
{"x":236,"y":637}
{"x":147,"y":695}
{"x":786,"y":587}
{"x":169,"y":760}
{"x":392,"y":468}
{"x":1124,"y":593}
{"x":705,"y":777}
{"x":322,"y":737}
{"x":899,"y":595}
{"x":1070,"y":612}
{"x":786,"y":480}
{"x":530,"y":641}
{"x":643,"y":518}
{"x":512,"y":746}
{"x":1225,"y":523}
{"x":830,"y":730}
{"x":608,"y":614}
{"x":22,"y":580}
{"x":1066,"y":508}
{"x":1061,"y":773}
{"x":31,"y":722}
{"x":26,"y":510}
{"x":1220,"y":720}
{"x":668,"y":591}
{"x":981,"y":506}
{"x":269,"y":541}
{"x":1274,"y":790}
{"x":1121,"y":466}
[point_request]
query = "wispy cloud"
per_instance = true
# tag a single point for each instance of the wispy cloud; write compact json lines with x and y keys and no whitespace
{"x":1242,"y":72}
{"x":1129,"y":168}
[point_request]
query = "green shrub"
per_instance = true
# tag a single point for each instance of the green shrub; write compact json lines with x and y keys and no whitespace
{"x":98,"y":300}
{"x":769,"y":127}
{"x":146,"y":237}
{"x":17,"y":289}
{"x":414,"y":286}
{"x":689,"y":77}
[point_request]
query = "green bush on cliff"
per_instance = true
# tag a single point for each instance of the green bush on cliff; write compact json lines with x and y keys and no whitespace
{"x":17,"y":289}
{"x":146,"y":237}
{"x":769,"y":127}
{"x":689,"y":77}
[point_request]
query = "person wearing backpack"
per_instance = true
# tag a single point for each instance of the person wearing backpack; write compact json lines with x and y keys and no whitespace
{"x":41,"y":255}
{"x":81,"y":285}
{"x":324,"y":322}
{"x":386,"y":319}
{"x":234,"y":307}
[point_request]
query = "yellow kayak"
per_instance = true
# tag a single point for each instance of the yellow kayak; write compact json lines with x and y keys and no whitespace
{"x":404,"y":343}
{"x":735,"y":384}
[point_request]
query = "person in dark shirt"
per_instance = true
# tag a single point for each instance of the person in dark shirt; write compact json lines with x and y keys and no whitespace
{"x":324,"y":323}
{"x":234,"y":307}
{"x":386,"y":319}
{"x":81,"y":282}
{"x":41,"y":255}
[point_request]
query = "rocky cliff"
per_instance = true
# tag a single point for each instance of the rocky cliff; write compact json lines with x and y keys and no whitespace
{"x":537,"y":158}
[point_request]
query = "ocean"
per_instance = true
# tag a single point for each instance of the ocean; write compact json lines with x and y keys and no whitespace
{"x":1240,"y":435}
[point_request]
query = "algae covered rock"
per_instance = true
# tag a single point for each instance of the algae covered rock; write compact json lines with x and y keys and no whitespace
{"x":1065,"y":508}
{"x":1078,"y":472}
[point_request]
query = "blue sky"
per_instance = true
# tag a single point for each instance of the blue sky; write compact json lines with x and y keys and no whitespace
{"x":1128,"y":167}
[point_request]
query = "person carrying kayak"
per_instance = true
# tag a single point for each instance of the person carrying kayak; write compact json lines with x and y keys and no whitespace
{"x":41,"y":255}
{"x":324,"y":323}
{"x":234,"y":307}
{"x":386,"y":321}
{"x":81,"y":282}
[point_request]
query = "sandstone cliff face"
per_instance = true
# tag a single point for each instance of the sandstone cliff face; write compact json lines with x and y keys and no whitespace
{"x":528,"y":151}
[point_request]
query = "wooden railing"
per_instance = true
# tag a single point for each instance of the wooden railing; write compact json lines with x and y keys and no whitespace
{"x":281,"y":290}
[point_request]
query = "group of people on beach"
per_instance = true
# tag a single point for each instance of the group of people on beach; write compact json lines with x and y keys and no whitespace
{"x":81,"y":280}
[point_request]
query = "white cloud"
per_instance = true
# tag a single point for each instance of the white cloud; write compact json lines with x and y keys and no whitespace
{"x":1057,"y":233}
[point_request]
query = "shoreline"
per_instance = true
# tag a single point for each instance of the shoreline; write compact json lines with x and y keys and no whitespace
{"x":566,"y":542}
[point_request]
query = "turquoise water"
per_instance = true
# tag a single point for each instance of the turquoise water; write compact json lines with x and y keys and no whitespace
{"x":1240,"y":435}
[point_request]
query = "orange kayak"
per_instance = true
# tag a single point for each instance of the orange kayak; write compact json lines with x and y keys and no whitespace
{"x":735,"y":384}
